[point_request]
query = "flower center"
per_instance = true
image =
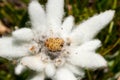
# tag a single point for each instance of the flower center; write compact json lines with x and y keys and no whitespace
{"x":54,"y":44}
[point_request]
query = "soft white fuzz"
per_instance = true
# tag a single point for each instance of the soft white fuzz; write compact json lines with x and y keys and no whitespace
{"x":19,"y":69}
{"x":64,"y":74}
{"x":39,"y":76}
{"x":55,"y":11}
{"x":50,"y":70}
{"x":24,"y":34}
{"x":37,"y":16}
{"x":33,"y":62}
{"x":76,"y":70}
{"x":88,"y":29}
{"x":76,"y":38}
{"x":9,"y":49}
{"x":86,"y":59}
{"x":68,"y":25}
{"x":91,"y":45}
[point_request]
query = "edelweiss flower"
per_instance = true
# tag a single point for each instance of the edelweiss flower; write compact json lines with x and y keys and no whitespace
{"x":53,"y":48}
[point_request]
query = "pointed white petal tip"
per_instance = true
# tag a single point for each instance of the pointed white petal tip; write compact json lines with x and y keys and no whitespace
{"x":64,"y":74}
{"x":99,"y":63}
{"x":50,"y":70}
{"x":108,"y":14}
{"x":9,"y":50}
{"x":103,"y":63}
{"x":55,"y":12}
{"x":67,"y":25}
{"x":19,"y":69}
{"x":37,"y":16}
{"x":33,"y":62}
{"x":24,"y":34}
{"x":87,"y":59}
{"x":111,"y":12}
{"x":71,"y":17}
{"x":91,"y":45}
{"x":88,"y":29}
{"x":76,"y":70}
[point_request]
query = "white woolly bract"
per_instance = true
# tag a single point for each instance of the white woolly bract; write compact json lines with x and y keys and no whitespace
{"x":33,"y":62}
{"x":55,"y":11}
{"x":91,"y":45}
{"x":10,"y":49}
{"x":19,"y":69}
{"x":39,"y":76}
{"x":89,"y":28}
{"x":86,"y":59}
{"x":50,"y":70}
{"x":24,"y":34}
{"x":76,"y":38}
{"x":67,"y":25}
{"x":74,"y":69}
{"x":37,"y":16}
{"x":64,"y":74}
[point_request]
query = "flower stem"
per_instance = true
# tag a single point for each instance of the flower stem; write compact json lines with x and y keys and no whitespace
{"x":109,"y":32}
{"x":114,"y":4}
{"x":89,"y":76}
{"x":117,"y":42}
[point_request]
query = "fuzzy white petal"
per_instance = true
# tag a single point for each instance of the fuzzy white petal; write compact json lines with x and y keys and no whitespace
{"x":9,"y":49}
{"x":74,"y":69}
{"x":89,"y":28}
{"x":24,"y":34}
{"x":64,"y":74}
{"x":39,"y":76}
{"x":76,"y":38}
{"x":50,"y":70}
{"x":33,"y":62}
{"x":55,"y":11}
{"x":37,"y":15}
{"x":67,"y":25}
{"x":86,"y":59}
{"x":91,"y":45}
{"x":19,"y":69}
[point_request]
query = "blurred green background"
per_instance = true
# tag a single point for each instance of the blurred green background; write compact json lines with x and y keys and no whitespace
{"x":13,"y":14}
